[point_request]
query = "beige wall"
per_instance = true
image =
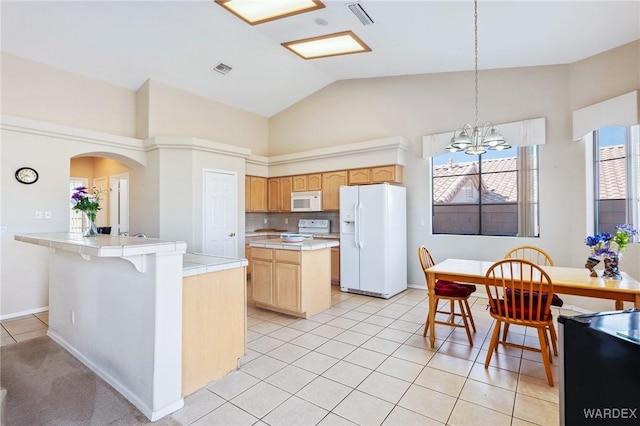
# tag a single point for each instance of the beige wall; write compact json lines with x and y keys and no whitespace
{"x":40,"y":92}
{"x":413,"y":106}
{"x":605,"y":76}
{"x":174,"y":112}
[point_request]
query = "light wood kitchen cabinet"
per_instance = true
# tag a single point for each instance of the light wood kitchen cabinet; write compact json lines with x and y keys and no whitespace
{"x":391,"y":174}
{"x":274,"y":194}
{"x":247,"y":254}
{"x":379,"y":174}
{"x":359,"y":176}
{"x":262,"y":275}
{"x":287,"y":280}
{"x":293,"y":282}
{"x":279,"y":194}
{"x":213,"y":326}
{"x":257,"y":194}
{"x":247,"y":193}
{"x":311,"y":182}
{"x":331,"y":183}
{"x":335,"y":265}
{"x":286,"y":186}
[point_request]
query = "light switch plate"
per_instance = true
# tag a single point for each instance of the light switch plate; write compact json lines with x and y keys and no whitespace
{"x":38,"y":214}
{"x":47,"y":214}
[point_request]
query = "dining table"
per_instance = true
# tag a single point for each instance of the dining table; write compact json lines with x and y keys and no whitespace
{"x":565,"y":280}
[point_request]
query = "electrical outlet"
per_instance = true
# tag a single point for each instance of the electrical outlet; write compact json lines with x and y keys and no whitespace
{"x":264,"y":220}
{"x":38,"y":214}
{"x":47,"y":214}
{"x":3,"y":230}
{"x":286,"y":221}
{"x":73,"y":317}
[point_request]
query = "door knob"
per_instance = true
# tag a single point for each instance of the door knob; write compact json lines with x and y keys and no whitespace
{"x":233,"y":234}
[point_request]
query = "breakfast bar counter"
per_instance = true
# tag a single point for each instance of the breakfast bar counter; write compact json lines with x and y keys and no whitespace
{"x":115,"y":303}
{"x":292,"y":278}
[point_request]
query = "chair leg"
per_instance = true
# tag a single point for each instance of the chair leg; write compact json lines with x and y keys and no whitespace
{"x":452,"y":316}
{"x":494,"y":343}
{"x":466,"y":323}
{"x":426,"y":322}
{"x":426,"y":326}
{"x":554,"y":339}
{"x":473,"y":324}
{"x":546,"y":353}
{"x":504,"y":333}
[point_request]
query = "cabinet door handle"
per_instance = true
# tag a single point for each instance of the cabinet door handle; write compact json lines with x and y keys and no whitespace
{"x":233,"y":234}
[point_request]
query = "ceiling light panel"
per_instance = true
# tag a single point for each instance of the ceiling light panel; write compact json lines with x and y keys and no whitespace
{"x":342,"y":43}
{"x":256,"y":12}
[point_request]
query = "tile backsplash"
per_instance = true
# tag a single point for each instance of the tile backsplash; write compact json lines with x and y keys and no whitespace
{"x":288,"y":221}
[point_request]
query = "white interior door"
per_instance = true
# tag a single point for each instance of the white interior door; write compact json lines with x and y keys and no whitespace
{"x":119,"y":204}
{"x":220,"y":213}
{"x":102,"y":217}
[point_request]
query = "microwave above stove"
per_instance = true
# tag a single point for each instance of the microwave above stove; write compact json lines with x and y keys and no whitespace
{"x":308,"y":201}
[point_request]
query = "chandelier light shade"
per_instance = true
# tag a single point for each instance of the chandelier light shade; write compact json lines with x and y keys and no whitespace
{"x":475,"y":140}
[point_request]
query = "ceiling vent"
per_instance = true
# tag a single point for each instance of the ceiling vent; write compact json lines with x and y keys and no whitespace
{"x":360,"y":13}
{"x":222,"y":68}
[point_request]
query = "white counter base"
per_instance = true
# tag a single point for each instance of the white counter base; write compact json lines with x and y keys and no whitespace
{"x":122,"y":321}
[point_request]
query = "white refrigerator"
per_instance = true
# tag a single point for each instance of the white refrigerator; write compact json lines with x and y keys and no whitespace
{"x":373,"y":239}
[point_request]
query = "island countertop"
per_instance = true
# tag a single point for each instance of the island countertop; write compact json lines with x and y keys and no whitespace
{"x":198,"y":263}
{"x":102,"y":245}
{"x":307,"y":244}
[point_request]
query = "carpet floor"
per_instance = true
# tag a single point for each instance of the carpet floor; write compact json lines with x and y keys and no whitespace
{"x":46,"y":385}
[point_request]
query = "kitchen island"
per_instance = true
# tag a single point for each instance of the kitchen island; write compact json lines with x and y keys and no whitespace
{"x":292,"y":278}
{"x":116,"y":304}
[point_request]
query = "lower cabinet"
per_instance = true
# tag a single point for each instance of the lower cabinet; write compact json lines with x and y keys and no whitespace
{"x":214,"y":322}
{"x":295,"y":282}
{"x":335,"y":265}
{"x":262,"y":275}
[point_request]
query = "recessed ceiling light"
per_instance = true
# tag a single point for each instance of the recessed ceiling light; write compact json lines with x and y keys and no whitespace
{"x":343,"y":43}
{"x":256,"y":12}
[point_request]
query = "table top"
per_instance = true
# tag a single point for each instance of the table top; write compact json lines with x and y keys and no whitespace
{"x":578,"y":278}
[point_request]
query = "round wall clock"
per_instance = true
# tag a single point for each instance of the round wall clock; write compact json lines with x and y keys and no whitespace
{"x":26,"y":175}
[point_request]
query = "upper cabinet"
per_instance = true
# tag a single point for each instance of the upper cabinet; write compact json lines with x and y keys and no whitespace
{"x":312,"y":182}
{"x":378,"y":174}
{"x":274,"y":194}
{"x":359,"y":176}
{"x":331,"y":183}
{"x":279,"y":190}
{"x":391,"y":174}
{"x":256,"y":187}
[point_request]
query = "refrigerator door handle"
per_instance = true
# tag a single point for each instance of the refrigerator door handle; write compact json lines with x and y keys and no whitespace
{"x":357,"y":231}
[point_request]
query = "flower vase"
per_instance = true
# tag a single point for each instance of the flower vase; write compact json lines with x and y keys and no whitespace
{"x":92,"y":230}
{"x":611,"y":267}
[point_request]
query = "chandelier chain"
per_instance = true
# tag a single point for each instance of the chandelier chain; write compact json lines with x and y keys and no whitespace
{"x":474,"y":140}
{"x":475,"y":17}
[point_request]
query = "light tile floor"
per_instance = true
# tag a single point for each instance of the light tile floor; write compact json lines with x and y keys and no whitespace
{"x":23,"y":328}
{"x":364,"y":361}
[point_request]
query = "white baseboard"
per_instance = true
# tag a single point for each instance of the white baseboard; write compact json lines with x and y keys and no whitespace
{"x":24,"y":313}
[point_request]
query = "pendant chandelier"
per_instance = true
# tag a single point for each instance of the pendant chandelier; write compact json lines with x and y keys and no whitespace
{"x":475,"y":140}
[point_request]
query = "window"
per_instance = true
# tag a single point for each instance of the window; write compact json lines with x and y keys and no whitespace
{"x":616,"y":177}
{"x":492,"y":194}
{"x":75,"y":216}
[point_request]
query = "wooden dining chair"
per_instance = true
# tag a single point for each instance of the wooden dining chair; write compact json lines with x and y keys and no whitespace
{"x":539,"y":257}
{"x":453,"y":292}
{"x":508,"y":306}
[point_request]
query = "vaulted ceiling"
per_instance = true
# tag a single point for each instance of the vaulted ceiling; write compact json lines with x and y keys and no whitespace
{"x":180,"y":42}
